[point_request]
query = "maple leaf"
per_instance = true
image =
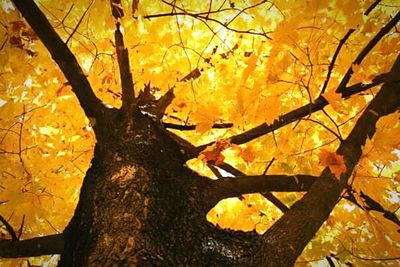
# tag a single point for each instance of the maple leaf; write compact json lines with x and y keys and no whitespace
{"x":333,"y":161}
{"x":214,"y":156}
{"x":251,"y":66}
{"x":333,"y":98}
{"x":213,"y":153}
{"x":248,"y":154}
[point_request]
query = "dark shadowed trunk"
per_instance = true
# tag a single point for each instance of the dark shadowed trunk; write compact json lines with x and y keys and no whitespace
{"x":140,"y":205}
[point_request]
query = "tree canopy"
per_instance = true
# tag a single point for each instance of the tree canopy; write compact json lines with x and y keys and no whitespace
{"x":271,"y":92}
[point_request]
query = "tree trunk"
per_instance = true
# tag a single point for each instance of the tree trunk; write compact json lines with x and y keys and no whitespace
{"x":140,"y":206}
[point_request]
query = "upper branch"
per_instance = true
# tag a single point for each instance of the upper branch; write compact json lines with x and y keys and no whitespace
{"x":320,"y":102}
{"x":297,"y":114}
{"x":371,"y":204}
{"x":61,"y":54}
{"x":371,"y":44}
{"x":128,"y":93}
{"x":386,"y":101}
{"x":205,"y":16}
{"x":335,"y":55}
{"x":371,"y":7}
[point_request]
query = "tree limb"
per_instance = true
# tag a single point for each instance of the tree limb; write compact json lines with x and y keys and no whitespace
{"x":218,"y":195}
{"x":236,"y":186}
{"x":371,"y":7}
{"x":320,"y":102}
{"x":372,"y":205}
{"x":335,"y":55}
{"x":375,"y":206}
{"x":371,"y":44}
{"x":128,"y":93}
{"x":38,"y":246}
{"x":295,"y":115}
{"x":61,"y":54}
{"x":276,"y":201}
{"x":193,"y":127}
{"x":325,"y":192}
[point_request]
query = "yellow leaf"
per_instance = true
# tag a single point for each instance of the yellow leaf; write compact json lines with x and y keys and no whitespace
{"x":270,"y":108}
{"x":251,"y":66}
{"x":248,"y":154}
{"x":204,"y":126}
{"x":334,"y":99}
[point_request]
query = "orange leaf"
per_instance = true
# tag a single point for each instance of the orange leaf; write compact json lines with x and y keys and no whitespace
{"x":248,"y":154}
{"x":333,"y":98}
{"x":214,"y":153}
{"x":334,"y":161}
{"x":214,"y":156}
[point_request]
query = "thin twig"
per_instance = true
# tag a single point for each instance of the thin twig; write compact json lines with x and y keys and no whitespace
{"x":9,"y":228}
{"x":371,"y":7}
{"x":268,"y":166}
{"x":79,"y":22}
{"x":193,"y":127}
{"x":365,"y":51}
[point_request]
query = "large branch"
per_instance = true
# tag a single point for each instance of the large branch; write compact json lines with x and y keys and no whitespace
{"x":286,"y":239}
{"x":226,"y":187}
{"x":38,"y":246}
{"x":235,"y":186}
{"x":371,"y":204}
{"x":297,"y":114}
{"x":61,"y":54}
{"x":320,"y":102}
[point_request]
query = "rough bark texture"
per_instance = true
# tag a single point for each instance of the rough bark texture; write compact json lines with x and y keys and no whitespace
{"x":140,"y":206}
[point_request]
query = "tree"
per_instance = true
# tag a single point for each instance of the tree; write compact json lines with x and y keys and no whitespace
{"x":260,"y":96}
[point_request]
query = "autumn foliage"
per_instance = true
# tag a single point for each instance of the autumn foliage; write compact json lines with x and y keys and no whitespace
{"x":259,"y":88}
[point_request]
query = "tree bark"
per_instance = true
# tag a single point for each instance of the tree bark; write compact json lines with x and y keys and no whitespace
{"x":140,"y":206}
{"x":45,"y":245}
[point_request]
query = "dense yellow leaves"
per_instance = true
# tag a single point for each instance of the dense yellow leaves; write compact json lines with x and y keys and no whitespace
{"x":382,"y":148}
